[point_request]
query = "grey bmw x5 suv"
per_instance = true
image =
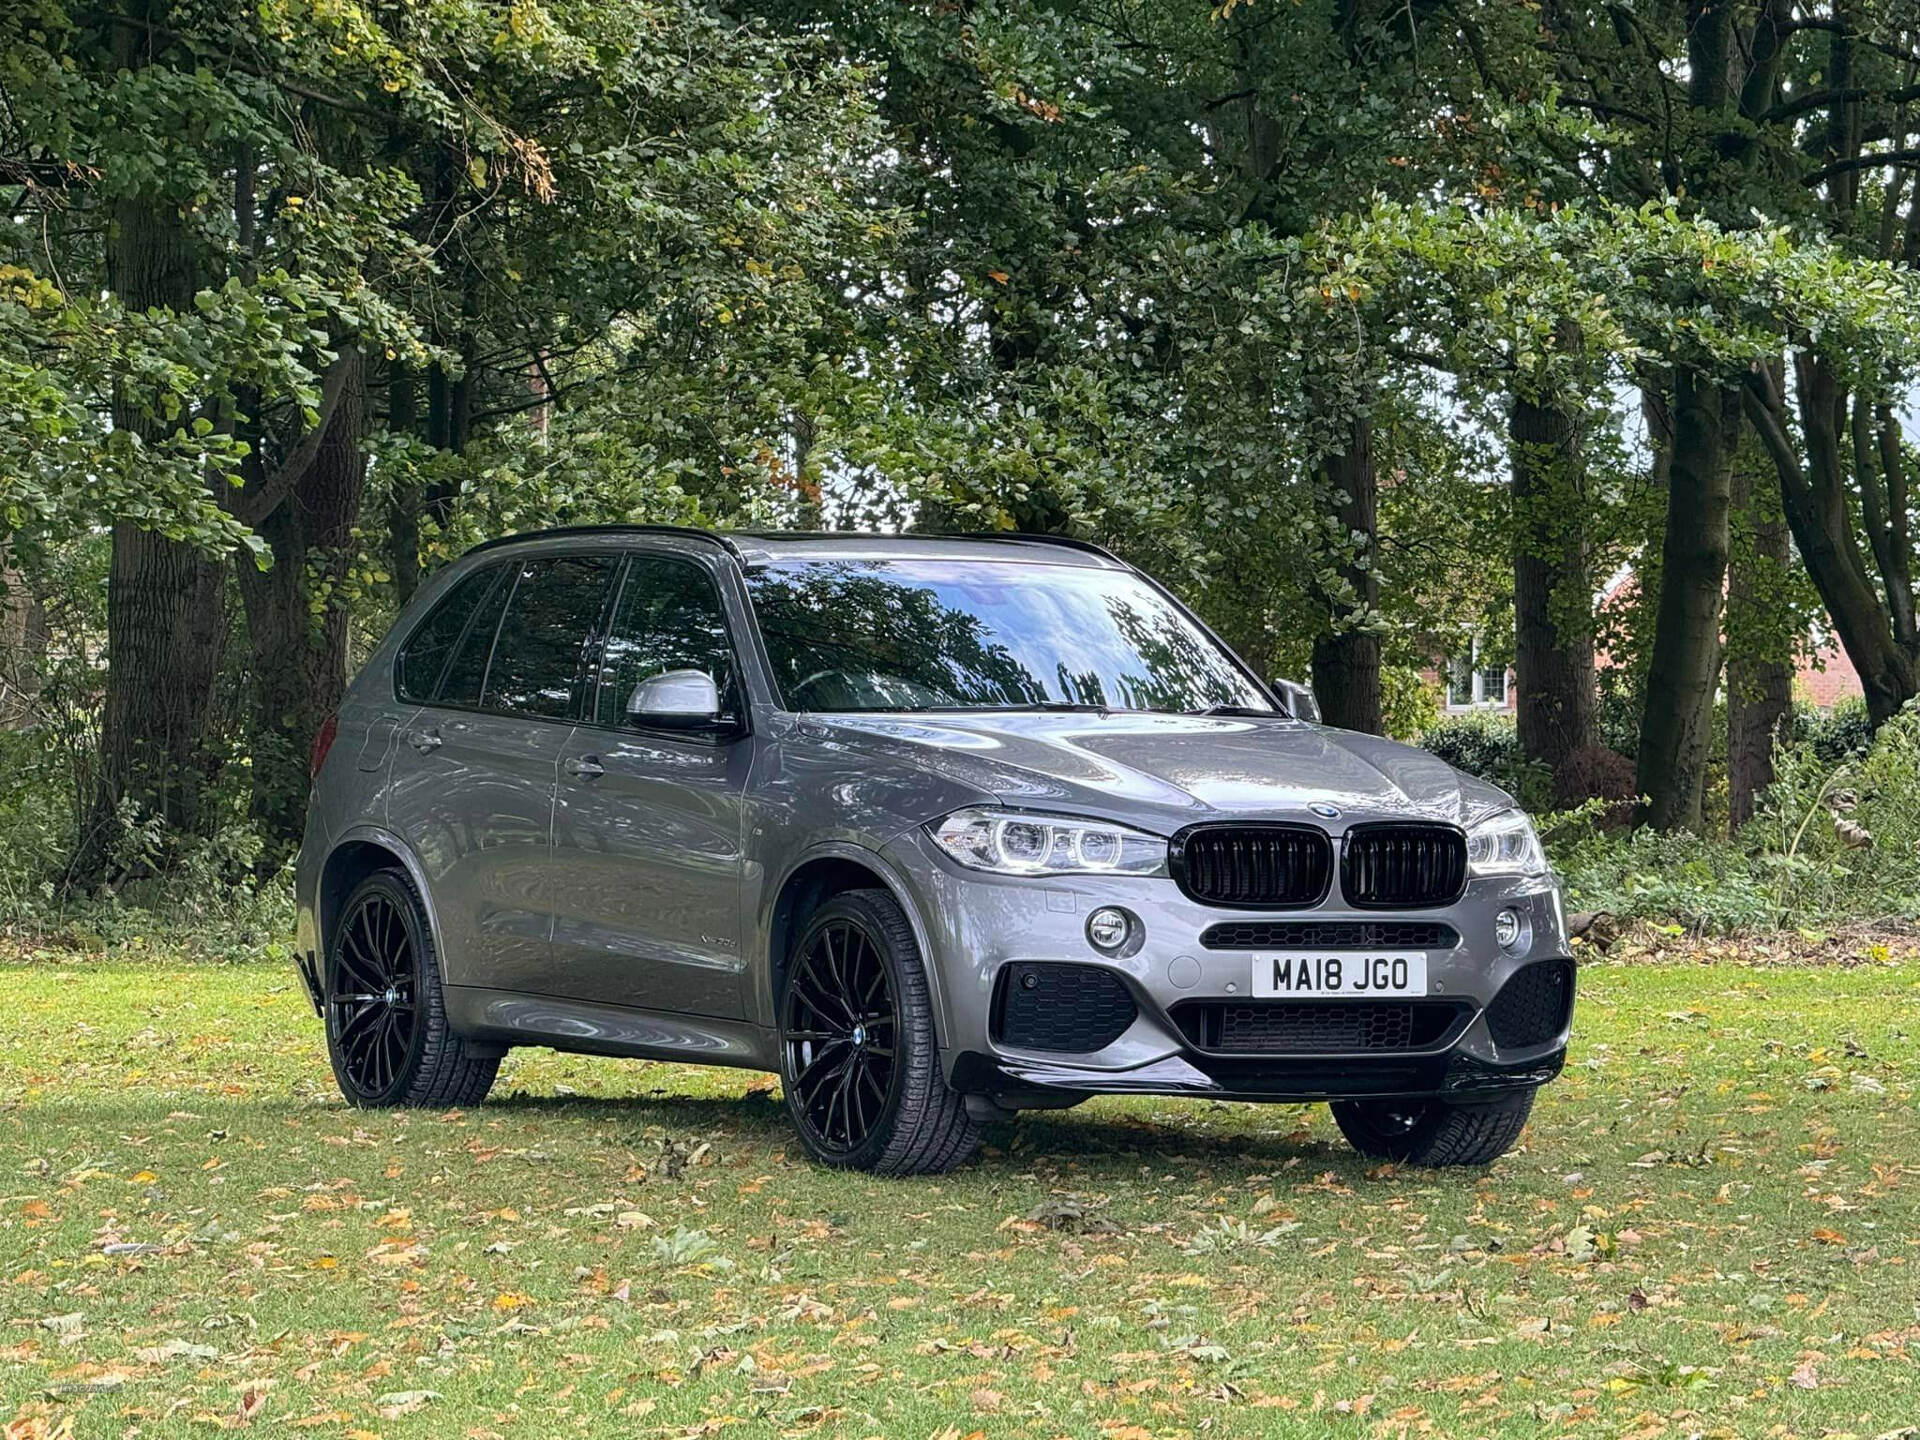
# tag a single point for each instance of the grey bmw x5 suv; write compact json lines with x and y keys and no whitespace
{"x":938,"y":828}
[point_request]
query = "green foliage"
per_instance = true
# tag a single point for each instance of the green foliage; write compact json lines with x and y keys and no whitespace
{"x":1486,"y":744}
{"x":1838,"y":735}
{"x":1410,"y":704}
{"x":1836,"y":840}
{"x":1679,"y":879}
{"x":35,"y":822}
{"x":209,"y":892}
{"x":1129,"y":270}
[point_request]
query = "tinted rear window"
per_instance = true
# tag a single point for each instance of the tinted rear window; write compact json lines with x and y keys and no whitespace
{"x":536,"y":659}
{"x":425,"y":655}
{"x":467,"y":670}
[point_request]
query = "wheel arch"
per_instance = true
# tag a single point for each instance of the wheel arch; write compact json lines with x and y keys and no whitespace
{"x":355,"y":855}
{"x":811,"y":881}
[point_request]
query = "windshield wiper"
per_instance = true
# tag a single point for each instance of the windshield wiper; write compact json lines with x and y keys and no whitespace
{"x":1240,"y":711}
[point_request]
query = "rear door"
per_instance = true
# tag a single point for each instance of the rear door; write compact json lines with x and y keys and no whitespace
{"x":473,"y":777}
{"x":647,"y":860}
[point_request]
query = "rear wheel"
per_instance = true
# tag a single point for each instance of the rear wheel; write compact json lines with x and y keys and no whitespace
{"x":859,"y":1061}
{"x":387,"y":1032}
{"x":1434,"y":1132}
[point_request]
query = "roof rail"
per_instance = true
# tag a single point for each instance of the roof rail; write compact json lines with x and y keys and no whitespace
{"x":1066,"y":542}
{"x":684,"y":532}
{"x":725,"y":540}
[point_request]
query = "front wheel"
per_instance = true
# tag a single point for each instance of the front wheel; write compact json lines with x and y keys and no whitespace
{"x":859,"y":1061}
{"x":387,"y":1031}
{"x":1434,"y":1132}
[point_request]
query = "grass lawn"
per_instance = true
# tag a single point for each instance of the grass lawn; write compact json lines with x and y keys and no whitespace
{"x":1713,"y":1229}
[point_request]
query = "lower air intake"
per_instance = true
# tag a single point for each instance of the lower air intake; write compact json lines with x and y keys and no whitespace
{"x":1534,"y":1006}
{"x":1316,"y":1027}
{"x":1049,"y":1005}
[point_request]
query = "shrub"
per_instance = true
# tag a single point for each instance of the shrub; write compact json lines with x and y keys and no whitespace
{"x":35,"y":820}
{"x":1485,"y":744}
{"x":1831,"y":843}
{"x":1679,"y":879}
{"x":1409,"y":704}
{"x":1616,"y":718}
{"x":1479,"y":743}
{"x":1835,"y":735}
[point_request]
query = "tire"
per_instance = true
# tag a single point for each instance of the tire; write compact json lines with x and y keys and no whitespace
{"x":1434,"y":1132}
{"x":853,"y":979}
{"x":387,"y":1032}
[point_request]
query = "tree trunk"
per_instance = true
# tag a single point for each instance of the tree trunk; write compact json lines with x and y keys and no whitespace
{"x":164,"y":622}
{"x":1817,"y":501}
{"x":1759,"y":657}
{"x":1675,"y":735}
{"x":1346,"y":661}
{"x":1684,"y":669}
{"x":297,"y":621}
{"x":23,"y":646}
{"x":1552,"y":593}
{"x":165,"y":630}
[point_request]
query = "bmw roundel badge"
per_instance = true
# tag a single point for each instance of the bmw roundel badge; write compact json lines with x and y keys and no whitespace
{"x":1324,"y":810}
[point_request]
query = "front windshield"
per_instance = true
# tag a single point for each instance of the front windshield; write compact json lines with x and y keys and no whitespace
{"x":985,"y":634}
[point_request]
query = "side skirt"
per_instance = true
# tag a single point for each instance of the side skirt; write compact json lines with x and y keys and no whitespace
{"x":508,"y":1018}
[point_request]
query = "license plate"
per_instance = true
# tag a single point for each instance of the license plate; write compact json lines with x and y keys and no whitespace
{"x":1358,"y":974}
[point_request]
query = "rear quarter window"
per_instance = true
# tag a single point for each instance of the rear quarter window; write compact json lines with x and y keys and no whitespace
{"x":423,"y":658}
{"x":467,"y":670}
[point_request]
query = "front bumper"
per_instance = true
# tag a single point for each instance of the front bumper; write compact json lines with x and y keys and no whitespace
{"x":976,"y":925}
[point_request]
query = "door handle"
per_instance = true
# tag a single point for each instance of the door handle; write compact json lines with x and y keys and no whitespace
{"x":586,"y":767}
{"x":424,"y":740}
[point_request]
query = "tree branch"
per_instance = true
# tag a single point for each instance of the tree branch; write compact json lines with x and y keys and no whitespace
{"x":1763,"y":406}
{"x":1825,"y":173}
{"x":1820,"y":99}
{"x":252,"y":506}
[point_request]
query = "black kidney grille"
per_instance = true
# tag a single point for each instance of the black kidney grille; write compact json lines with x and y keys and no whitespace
{"x":1391,"y":867}
{"x":1318,"y":1027}
{"x":1330,"y":935}
{"x":1048,"y":1005}
{"x":1534,"y":1006}
{"x":1263,"y":865}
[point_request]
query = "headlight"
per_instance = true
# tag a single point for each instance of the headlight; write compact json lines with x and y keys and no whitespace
{"x":1505,"y":844}
{"x":1009,"y":842}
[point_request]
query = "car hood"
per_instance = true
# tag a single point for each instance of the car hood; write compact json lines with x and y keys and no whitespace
{"x":1166,"y":771}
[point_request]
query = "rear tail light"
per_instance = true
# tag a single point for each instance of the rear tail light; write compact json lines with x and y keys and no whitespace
{"x":322,"y":743}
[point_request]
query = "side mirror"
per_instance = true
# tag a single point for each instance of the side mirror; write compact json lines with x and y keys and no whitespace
{"x":1297,"y":699}
{"x":675,"y":700}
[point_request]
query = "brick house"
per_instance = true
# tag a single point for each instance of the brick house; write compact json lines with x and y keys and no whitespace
{"x":1824,"y":678}
{"x":1826,"y":687}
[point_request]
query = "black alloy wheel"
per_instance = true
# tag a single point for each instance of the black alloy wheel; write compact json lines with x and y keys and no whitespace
{"x":859,"y":1060}
{"x":840,"y":1028}
{"x":373,"y":1007}
{"x":387,"y":1031}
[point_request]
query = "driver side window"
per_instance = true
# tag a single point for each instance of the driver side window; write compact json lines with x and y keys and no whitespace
{"x":668,"y":617}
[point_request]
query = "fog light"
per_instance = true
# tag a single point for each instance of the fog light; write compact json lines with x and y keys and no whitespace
{"x":1108,"y":928}
{"x":1511,"y":929}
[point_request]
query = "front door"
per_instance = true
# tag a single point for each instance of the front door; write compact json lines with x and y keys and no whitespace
{"x":647,"y":857}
